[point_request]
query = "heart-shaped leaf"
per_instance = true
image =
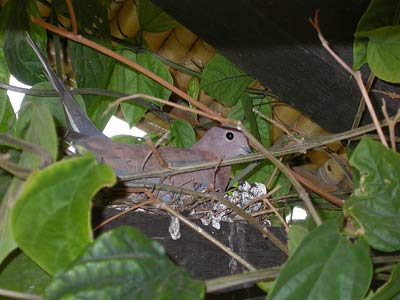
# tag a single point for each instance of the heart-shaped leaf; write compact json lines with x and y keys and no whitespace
{"x":51,"y":219}
{"x":124,"y":264}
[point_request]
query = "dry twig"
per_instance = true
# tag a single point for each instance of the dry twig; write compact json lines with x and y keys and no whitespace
{"x":199,"y":230}
{"x":391,"y":124}
{"x":357,"y":76}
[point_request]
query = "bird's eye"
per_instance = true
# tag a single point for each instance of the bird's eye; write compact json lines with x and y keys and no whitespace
{"x":229,"y":135}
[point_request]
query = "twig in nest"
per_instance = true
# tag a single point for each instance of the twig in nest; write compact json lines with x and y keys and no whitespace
{"x":276,"y":212}
{"x":169,"y":103}
{"x":155,"y":152}
{"x":303,"y":195}
{"x":392,"y":95}
{"x":120,"y":214}
{"x":72,"y":16}
{"x":316,"y":189}
{"x":199,"y":230}
{"x":273,"y":122}
{"x":391,"y":124}
{"x":240,"y":212}
{"x":15,"y":169}
{"x":357,"y":76}
{"x":273,"y":174}
{"x":165,"y":135}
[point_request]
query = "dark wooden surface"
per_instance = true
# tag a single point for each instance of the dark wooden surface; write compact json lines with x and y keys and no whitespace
{"x":198,"y":256}
{"x":274,"y":42}
{"x":194,"y":253}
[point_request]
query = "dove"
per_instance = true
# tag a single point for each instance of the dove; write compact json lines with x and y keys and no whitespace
{"x":217,"y":143}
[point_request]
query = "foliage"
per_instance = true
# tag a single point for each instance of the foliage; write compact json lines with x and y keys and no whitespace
{"x":124,"y":264}
{"x":377,"y":40}
{"x":58,"y":256}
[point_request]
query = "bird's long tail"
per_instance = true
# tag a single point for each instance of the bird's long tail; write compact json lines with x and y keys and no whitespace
{"x":77,"y":119}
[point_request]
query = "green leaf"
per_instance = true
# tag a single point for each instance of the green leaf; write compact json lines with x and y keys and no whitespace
{"x":264,"y":127}
{"x":182,"y":134}
{"x":57,"y":200}
{"x":7,"y":115}
{"x":5,"y":181}
{"x":383,"y":53}
{"x":127,"y":139}
{"x":92,"y":70}
{"x":21,"y":59}
{"x":375,"y":203}
{"x":380,"y":13}
{"x":125,"y":79}
{"x":153,"y":19}
{"x":296,"y":235}
{"x":308,"y":273}
{"x":35,"y":124}
{"x":224,"y":81}
{"x":124,"y":264}
{"x":39,"y":129}
{"x":194,"y":88}
{"x":391,"y":289}
{"x":92,"y":17}
{"x":21,"y":274}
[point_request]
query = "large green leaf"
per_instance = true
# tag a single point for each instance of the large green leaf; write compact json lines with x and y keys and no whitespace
{"x":380,"y":13}
{"x":125,"y":79}
{"x":224,"y":81}
{"x":124,"y":264}
{"x":327,"y":265}
{"x":35,"y":124}
{"x":391,"y":289}
{"x":21,"y":60}
{"x":375,"y":203}
{"x":182,"y":134}
{"x":92,"y":70}
{"x":153,"y":19}
{"x":57,"y":201}
{"x":7,"y":115}
{"x":38,"y":128}
{"x":21,"y":274}
{"x":383,"y":53}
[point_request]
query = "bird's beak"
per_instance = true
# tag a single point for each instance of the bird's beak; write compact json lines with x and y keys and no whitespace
{"x":246,"y":149}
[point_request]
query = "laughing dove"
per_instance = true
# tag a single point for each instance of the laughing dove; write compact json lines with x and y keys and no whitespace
{"x":217,"y":143}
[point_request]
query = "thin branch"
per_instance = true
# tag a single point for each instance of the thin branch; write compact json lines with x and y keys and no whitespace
{"x":391,"y":124}
{"x":45,"y":156}
{"x":231,"y":281}
{"x":155,"y":152}
{"x":18,"y":295}
{"x":308,"y":184}
{"x":303,"y":195}
{"x":357,"y":76}
{"x":273,"y":122}
{"x":120,"y":214}
{"x":72,"y":17}
{"x":169,"y":103}
{"x":13,"y":168}
{"x":361,"y":106}
{"x":199,"y":230}
{"x":276,"y":212}
{"x":80,"y":39}
{"x":392,"y":95}
{"x":273,"y":174}
{"x":165,"y":135}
